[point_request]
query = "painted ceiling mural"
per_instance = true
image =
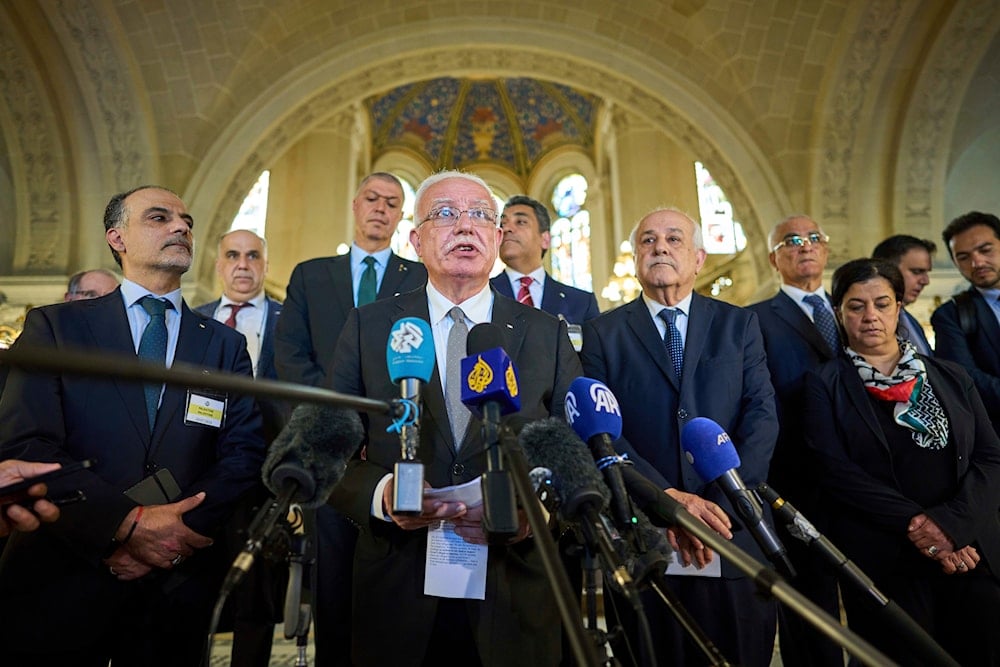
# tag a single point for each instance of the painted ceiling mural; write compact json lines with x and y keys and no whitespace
{"x":454,"y":123}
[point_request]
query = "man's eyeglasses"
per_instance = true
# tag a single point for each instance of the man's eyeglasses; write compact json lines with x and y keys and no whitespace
{"x":447,"y":216}
{"x":796,"y":241}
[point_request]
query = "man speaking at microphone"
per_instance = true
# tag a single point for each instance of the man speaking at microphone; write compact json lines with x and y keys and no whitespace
{"x":401,"y":622}
{"x":670,"y":356}
{"x":129,"y":574}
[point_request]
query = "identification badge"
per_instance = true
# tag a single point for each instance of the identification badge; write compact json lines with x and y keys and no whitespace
{"x":205,"y":408}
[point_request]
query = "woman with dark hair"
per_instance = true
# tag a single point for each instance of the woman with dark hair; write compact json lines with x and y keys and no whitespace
{"x":913,"y":467}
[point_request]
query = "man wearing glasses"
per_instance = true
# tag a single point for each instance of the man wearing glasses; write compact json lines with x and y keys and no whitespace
{"x":796,"y":340}
{"x":405,"y":619}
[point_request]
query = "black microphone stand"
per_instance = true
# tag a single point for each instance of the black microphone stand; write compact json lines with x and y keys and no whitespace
{"x":583,"y":652}
{"x":921,"y":645}
{"x":297,"y":614}
{"x":499,"y":502}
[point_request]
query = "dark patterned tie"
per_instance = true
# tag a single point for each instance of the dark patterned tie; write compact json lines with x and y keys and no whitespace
{"x":233,"y":309}
{"x":672,"y":339}
{"x":153,"y":347}
{"x":524,"y":294}
{"x":824,"y":321}
{"x":367,"y":286}
{"x":458,"y":414}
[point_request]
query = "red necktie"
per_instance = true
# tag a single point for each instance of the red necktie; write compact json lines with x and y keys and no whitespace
{"x":524,"y":295}
{"x":233,"y":309}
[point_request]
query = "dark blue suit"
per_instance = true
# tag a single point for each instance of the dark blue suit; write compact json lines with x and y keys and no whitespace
{"x":319,"y":298}
{"x":794,"y":346}
{"x":910,"y":329}
{"x":265,"y":364}
{"x":978,"y":353}
{"x":575,"y":305}
{"x":56,"y":573}
{"x":725,"y":379}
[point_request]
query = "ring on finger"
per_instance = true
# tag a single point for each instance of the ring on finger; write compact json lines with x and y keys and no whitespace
{"x":961,"y":566}
{"x":177,"y":560}
{"x":112,"y":571}
{"x":932,"y":550}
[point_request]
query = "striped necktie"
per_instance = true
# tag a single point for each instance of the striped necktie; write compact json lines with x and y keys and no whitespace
{"x":524,"y":294}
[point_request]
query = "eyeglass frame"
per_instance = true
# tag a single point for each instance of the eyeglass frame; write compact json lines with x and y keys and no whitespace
{"x":434,"y":217}
{"x":799,"y":241}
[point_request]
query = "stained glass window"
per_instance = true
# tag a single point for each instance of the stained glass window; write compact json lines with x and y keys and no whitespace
{"x":253,"y":212}
{"x":722,"y":234}
{"x":570,"y":233}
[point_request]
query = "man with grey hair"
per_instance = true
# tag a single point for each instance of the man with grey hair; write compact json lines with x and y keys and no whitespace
{"x":669,"y":356}
{"x":795,"y":342}
{"x":90,"y":284}
{"x":514,"y":619}
{"x":321,"y":293}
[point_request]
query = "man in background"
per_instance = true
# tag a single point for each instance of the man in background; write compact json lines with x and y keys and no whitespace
{"x":90,"y":284}
{"x":241,"y":264}
{"x":913,"y":257}
{"x":799,"y":335}
{"x":967,"y":328}
{"x":321,"y":293}
{"x":525,"y":224}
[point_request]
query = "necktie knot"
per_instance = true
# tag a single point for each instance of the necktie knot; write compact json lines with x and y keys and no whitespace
{"x":672,"y":339}
{"x":524,"y":294}
{"x":824,"y":321}
{"x":153,"y":306}
{"x":367,"y":287}
{"x":233,"y":309}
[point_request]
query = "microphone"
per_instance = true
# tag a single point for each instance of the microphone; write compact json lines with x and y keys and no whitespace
{"x":302,"y":466}
{"x":409,"y":357}
{"x":489,"y":390}
{"x":550,"y":443}
{"x":592,"y":410}
{"x":708,"y":448}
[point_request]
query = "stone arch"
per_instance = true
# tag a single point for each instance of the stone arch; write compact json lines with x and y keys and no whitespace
{"x":308,"y":95}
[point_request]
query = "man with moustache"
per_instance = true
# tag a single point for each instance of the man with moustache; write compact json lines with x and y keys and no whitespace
{"x":129,"y":575}
{"x":516,"y":621}
{"x":321,"y":293}
{"x":525,"y":225}
{"x":241,"y":264}
{"x":669,"y":356}
{"x":913,"y":257}
{"x":795,"y":343}
{"x":973,"y":242}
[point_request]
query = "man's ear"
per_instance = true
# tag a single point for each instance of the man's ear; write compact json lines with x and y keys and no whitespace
{"x":114,"y":237}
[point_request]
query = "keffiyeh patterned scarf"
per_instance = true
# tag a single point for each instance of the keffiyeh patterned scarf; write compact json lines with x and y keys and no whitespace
{"x":917,"y":407}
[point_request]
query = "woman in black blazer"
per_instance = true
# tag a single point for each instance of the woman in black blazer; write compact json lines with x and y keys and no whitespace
{"x":912,"y":466}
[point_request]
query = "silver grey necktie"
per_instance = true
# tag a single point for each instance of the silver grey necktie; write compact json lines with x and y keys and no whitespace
{"x":458,"y":414}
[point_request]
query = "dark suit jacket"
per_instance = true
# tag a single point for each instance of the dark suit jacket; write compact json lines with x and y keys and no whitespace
{"x":316,"y":306}
{"x":793,"y":346}
{"x":518,"y":623}
{"x":914,"y":332}
{"x":725,"y":379}
{"x":872,"y":515}
{"x":65,"y":418}
{"x":265,"y":365}
{"x":574,"y":304}
{"x":979,"y":354}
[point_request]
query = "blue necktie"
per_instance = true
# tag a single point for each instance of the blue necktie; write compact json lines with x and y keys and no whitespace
{"x":367,"y":288}
{"x":153,"y":347}
{"x":672,"y":339}
{"x":824,"y":322}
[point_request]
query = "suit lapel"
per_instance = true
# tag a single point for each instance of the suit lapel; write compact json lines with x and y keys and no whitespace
{"x":110,"y":328}
{"x":342,"y":291}
{"x":642,"y":326}
{"x":501,"y":283}
{"x":395,"y":273}
{"x":698,"y":330}
{"x":859,"y":398}
{"x":266,"y":361}
{"x":988,"y":321}
{"x":785,"y":308}
{"x":552,"y":296}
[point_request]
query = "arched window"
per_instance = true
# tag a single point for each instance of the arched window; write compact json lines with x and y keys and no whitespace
{"x":401,"y":239}
{"x":722,"y":234}
{"x":570,"y":233}
{"x":253,"y":212}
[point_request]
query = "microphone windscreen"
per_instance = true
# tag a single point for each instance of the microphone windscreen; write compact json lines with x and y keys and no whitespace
{"x":409,"y":352}
{"x":315,"y":446}
{"x":592,"y":409}
{"x":482,"y":337}
{"x":708,"y":449}
{"x":551,"y":443}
